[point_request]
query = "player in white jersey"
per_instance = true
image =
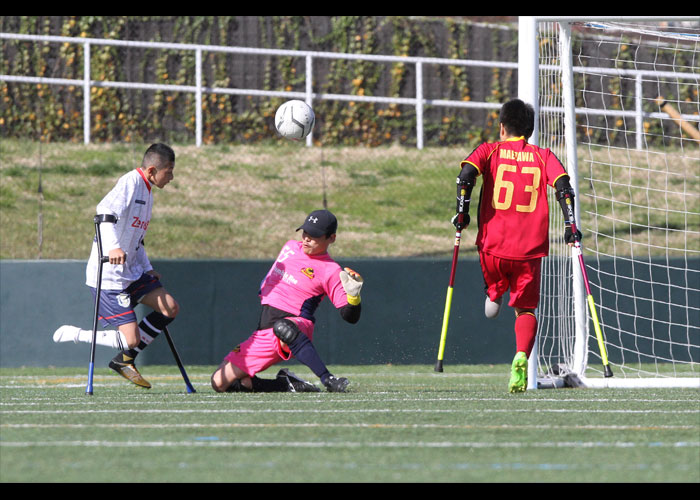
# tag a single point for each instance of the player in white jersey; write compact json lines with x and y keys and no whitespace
{"x":129,"y":278}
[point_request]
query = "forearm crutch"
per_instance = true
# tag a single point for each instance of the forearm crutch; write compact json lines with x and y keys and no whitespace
{"x":578,"y":250}
{"x":98,"y":219}
{"x":460,"y":224}
{"x":190,"y":389}
{"x":607,"y":371}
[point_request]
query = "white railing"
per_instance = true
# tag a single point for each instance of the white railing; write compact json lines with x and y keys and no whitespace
{"x":419,"y":101}
{"x":198,"y":89}
{"x":528,"y":78}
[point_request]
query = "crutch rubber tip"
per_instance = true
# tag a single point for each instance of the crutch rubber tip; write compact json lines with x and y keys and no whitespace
{"x":608,"y":371}
{"x":438,"y":366}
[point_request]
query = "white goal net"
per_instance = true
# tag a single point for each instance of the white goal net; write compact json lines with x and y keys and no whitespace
{"x":618,"y":103}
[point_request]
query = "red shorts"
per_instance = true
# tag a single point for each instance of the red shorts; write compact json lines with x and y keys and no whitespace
{"x":262,"y":349}
{"x":522,"y":277}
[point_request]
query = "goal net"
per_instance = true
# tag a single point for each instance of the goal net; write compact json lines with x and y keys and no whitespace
{"x":617,"y":101}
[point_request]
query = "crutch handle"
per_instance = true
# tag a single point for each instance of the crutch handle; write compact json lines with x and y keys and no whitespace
{"x":100,"y":218}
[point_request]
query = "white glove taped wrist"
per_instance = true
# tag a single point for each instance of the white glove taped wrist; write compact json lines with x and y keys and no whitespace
{"x":352,"y":283}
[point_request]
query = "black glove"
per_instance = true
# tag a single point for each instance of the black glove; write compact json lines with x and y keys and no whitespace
{"x":464,"y":192}
{"x":465,"y":222}
{"x":569,"y":236}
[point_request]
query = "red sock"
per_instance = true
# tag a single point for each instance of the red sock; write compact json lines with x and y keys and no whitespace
{"x":525,"y":331}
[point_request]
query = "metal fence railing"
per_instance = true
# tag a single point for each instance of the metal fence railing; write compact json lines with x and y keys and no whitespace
{"x":419,"y":101}
{"x":198,"y":89}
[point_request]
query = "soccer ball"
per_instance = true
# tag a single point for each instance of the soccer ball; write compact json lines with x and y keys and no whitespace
{"x":294,"y":119}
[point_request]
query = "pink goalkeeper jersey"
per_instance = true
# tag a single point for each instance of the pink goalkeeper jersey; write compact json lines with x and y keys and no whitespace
{"x":297,"y":283}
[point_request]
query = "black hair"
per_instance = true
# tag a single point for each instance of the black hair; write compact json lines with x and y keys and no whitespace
{"x":159,"y":155}
{"x":518,"y":118}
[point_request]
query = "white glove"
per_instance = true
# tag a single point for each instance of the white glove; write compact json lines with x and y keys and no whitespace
{"x":352,"y":283}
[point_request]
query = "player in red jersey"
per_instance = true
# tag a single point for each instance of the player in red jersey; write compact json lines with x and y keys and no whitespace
{"x":513,"y":221}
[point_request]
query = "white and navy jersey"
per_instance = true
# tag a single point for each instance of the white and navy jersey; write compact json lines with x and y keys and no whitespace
{"x":131,"y":202}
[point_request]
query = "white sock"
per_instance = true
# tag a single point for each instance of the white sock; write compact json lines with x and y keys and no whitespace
{"x":108,"y":338}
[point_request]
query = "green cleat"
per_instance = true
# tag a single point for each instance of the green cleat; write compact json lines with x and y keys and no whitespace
{"x":518,"y":373}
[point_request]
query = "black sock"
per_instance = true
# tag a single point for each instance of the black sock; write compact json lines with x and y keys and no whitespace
{"x":305,"y":352}
{"x":236,"y":386}
{"x":149,"y":328}
{"x":269,"y":385}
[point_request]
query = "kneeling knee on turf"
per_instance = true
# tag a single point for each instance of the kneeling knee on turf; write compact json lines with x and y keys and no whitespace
{"x":217,"y":382}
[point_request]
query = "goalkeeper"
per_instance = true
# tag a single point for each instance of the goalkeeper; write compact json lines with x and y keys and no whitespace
{"x":513,"y":221}
{"x":303,"y":274}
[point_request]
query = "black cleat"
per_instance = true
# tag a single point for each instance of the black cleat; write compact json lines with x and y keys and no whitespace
{"x":295,"y":383}
{"x":336,"y":384}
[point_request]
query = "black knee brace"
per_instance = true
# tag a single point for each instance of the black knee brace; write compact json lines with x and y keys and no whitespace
{"x":286,"y":330}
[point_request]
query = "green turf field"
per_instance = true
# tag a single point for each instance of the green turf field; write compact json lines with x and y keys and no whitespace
{"x":398,"y":424}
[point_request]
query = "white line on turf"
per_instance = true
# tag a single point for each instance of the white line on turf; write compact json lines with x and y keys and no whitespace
{"x":234,"y":425}
{"x":348,"y":444}
{"x":362,"y":410}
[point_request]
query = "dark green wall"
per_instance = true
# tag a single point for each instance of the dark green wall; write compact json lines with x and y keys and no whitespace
{"x":403,"y":303}
{"x":402,"y":308}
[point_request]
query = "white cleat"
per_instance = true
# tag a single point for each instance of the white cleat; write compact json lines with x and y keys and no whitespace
{"x":66,"y":333}
{"x":491,"y":309}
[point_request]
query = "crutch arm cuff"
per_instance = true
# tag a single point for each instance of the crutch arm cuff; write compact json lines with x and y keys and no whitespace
{"x":108,"y":232}
{"x":100,"y":218}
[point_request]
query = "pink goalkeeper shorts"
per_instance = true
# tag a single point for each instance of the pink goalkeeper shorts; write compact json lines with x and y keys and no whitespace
{"x":262,"y":349}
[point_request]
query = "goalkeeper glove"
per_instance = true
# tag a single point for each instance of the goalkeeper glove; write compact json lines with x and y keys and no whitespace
{"x":352,"y":283}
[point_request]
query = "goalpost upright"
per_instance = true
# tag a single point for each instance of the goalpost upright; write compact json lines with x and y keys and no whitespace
{"x":649,"y":170}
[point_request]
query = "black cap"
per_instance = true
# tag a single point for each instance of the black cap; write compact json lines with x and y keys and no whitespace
{"x":320,"y":223}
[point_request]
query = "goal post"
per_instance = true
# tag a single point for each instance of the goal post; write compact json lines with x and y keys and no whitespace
{"x":616,"y":99}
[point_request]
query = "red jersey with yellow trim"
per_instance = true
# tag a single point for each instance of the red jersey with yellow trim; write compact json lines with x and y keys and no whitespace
{"x":513,"y":209}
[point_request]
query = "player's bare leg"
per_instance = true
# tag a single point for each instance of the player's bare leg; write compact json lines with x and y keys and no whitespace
{"x":229,"y":378}
{"x":160,"y":300}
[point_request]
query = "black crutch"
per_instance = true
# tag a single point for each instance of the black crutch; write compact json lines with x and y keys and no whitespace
{"x":98,"y":219}
{"x":190,"y":389}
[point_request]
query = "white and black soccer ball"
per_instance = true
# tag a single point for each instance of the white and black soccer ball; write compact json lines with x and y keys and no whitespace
{"x":294,"y":119}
